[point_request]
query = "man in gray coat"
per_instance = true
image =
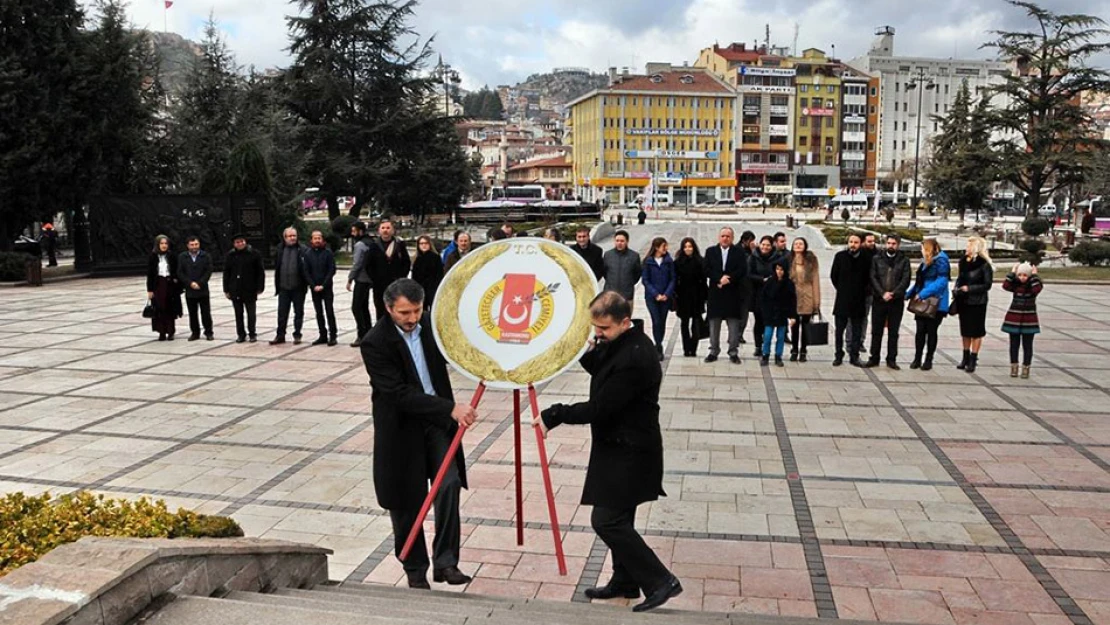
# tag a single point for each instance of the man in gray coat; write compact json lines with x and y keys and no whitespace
{"x":358,"y":280}
{"x":622,"y":267}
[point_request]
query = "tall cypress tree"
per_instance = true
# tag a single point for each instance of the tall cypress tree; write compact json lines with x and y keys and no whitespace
{"x":960,"y":170}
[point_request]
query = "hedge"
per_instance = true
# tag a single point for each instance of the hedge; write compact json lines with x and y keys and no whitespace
{"x":13,"y":266}
{"x":838,"y":235}
{"x":30,"y":526}
{"x":1090,"y":253}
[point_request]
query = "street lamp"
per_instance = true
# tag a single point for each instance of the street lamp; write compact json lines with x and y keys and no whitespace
{"x":446,"y":75}
{"x":923,"y":81}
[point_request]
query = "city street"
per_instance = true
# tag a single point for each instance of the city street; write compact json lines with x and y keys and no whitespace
{"x":901,"y":496}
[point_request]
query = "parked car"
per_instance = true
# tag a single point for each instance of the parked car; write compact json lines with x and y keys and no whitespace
{"x":26,"y":245}
{"x":727,"y":202}
{"x":754,"y":202}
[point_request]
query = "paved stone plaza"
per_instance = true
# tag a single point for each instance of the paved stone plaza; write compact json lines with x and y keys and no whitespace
{"x":930,"y":497}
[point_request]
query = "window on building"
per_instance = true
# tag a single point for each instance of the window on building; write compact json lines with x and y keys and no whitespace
{"x":828,"y":142}
{"x":871,"y":109}
{"x":805,"y":103}
{"x":633,"y":101}
{"x":903,"y":126}
{"x":804,"y":89}
{"x":804,"y":123}
{"x":897,"y":87}
{"x":828,"y":160}
{"x":803,"y":140}
{"x":829,"y":122}
{"x":903,"y":145}
{"x":780,"y":100}
{"x":870,"y":146}
{"x":874,"y":92}
{"x":832,"y":89}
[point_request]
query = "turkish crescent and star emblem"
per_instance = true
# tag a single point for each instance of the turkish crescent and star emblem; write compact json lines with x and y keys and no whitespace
{"x":525,"y":310}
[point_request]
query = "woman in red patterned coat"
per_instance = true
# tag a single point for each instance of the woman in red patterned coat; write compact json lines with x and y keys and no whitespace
{"x":1021,"y":321}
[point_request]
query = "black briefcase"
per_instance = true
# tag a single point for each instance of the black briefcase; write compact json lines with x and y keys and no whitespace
{"x":817,"y":332}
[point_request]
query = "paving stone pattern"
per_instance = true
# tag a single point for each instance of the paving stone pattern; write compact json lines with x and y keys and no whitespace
{"x":908,"y":496}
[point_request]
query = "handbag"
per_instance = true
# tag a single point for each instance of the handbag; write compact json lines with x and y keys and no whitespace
{"x":148,"y":310}
{"x":953,"y":303}
{"x":703,"y":328}
{"x":924,"y":307}
{"x":817,"y":331}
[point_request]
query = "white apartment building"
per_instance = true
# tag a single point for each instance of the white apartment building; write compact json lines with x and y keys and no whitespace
{"x":899,"y":114}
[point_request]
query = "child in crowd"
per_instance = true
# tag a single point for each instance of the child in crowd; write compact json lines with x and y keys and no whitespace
{"x":1021,"y":321}
{"x":778,"y":303}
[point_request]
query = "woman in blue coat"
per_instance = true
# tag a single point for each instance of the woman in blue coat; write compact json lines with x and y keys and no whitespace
{"x":659,"y":279}
{"x":931,"y":281}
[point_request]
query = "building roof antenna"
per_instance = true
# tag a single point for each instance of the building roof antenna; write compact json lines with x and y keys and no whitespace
{"x":795,"y":38}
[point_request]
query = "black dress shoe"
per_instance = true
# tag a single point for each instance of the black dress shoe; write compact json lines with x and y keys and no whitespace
{"x":296,"y":340}
{"x":710,"y":358}
{"x":609,"y":591}
{"x":802,"y":357}
{"x":793,"y":356}
{"x":332,"y":342}
{"x":871,"y":364}
{"x":839,"y":360}
{"x":320,"y":341}
{"x":209,"y":337}
{"x":893,"y":365}
{"x":277,"y":340}
{"x":241,"y":339}
{"x":253,"y":339}
{"x":452,"y":575}
{"x":418,"y":580}
{"x":194,"y":337}
{"x":670,"y":588}
{"x":734,"y":360}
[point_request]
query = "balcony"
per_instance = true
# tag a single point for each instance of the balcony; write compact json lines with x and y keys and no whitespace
{"x":854,"y":137}
{"x":853,"y":156}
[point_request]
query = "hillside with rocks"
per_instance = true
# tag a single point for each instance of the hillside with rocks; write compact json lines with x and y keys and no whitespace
{"x":564,"y":86}
{"x":176,"y":55}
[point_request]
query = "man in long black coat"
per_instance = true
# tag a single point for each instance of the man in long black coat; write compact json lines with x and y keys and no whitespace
{"x":851,"y":277}
{"x":244,"y":281}
{"x":415,"y":418}
{"x":726,"y":267}
{"x":387,"y":259}
{"x":626,"y":456}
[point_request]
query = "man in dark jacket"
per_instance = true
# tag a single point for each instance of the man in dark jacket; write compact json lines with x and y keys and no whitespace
{"x":358,"y":280}
{"x":626,"y":455}
{"x":244,"y":281}
{"x":319,"y":269}
{"x":851,"y":274}
{"x":415,"y":418}
{"x":726,"y":267}
{"x":194,"y":268}
{"x":890,"y":277}
{"x":290,"y":285}
{"x":386,"y":260}
{"x":589,"y":251}
{"x":622,"y":267}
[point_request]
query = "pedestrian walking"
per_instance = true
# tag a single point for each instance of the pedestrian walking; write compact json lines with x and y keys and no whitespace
{"x":1021,"y":321}
{"x":163,"y":290}
{"x":319,"y":274}
{"x":462,"y":248}
{"x":929,"y":294}
{"x":49,"y":240}
{"x":622,"y":267}
{"x":589,"y":251}
{"x":244,"y":280}
{"x":973,"y":284}
{"x":778,"y":303}
{"x":691,"y":293}
{"x":805,"y":273}
{"x":626,"y":454}
{"x":851,"y":272}
{"x":726,"y":269}
{"x":387,"y":260}
{"x":427,"y":269}
{"x":658,"y":276}
{"x":761,"y":268}
{"x":890,"y":277}
{"x":194,"y":269}
{"x":359,"y":281}
{"x":415,"y":418}
{"x":290,"y":286}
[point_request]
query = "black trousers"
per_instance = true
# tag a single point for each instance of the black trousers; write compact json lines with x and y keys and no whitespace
{"x":635,"y":565}
{"x":689,"y":328}
{"x":926,"y":336}
{"x":445,"y":546}
{"x":888,"y":316}
{"x":854,"y":340}
{"x":379,"y":302}
{"x":1023,"y":342}
{"x":323,"y":303}
{"x":241,"y":306}
{"x":798,"y":334}
{"x":200,"y":311}
{"x":360,"y":308}
{"x":757,"y":327}
{"x":294,"y":298}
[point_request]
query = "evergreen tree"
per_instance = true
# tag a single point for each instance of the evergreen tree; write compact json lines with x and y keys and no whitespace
{"x":41,"y":129}
{"x":1049,"y":137}
{"x":960,"y":172}
{"x":205,"y":115}
{"x":482,"y":104}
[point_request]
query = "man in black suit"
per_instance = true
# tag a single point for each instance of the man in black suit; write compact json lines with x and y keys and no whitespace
{"x":244,"y":281}
{"x":387,"y":260}
{"x":415,"y":418}
{"x":626,"y":456}
{"x":194,"y":268}
{"x":726,"y":266}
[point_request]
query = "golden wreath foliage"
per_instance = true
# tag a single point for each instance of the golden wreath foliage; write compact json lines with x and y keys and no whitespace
{"x":30,"y":526}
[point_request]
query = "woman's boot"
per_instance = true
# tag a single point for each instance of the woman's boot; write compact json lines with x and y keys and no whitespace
{"x":967,"y":357}
{"x":927,"y":364}
{"x":1013,"y":370}
{"x":972,"y":361}
{"x":1025,"y":372}
{"x":916,"y":364}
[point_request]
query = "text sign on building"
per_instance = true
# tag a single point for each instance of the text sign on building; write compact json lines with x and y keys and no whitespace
{"x":778,"y":130}
{"x":778,"y":188}
{"x":766,"y":89}
{"x":670,"y":154}
{"x":855,"y":119}
{"x":766,"y":71}
{"x":687,"y":132}
{"x":818,"y":112}
{"x":764,"y":167}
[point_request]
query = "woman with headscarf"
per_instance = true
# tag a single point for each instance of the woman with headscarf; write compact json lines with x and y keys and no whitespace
{"x":427,"y":269}
{"x":931,"y":281}
{"x":972,"y":285}
{"x":162,"y":288}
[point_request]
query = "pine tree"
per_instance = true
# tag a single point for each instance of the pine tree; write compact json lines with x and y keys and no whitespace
{"x":960,"y":171}
{"x":1049,"y":137}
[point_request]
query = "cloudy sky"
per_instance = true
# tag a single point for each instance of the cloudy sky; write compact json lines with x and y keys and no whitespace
{"x":503,"y":41}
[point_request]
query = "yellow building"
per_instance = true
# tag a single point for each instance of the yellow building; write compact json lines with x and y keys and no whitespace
{"x":674,"y":126}
{"x":817,"y":80}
